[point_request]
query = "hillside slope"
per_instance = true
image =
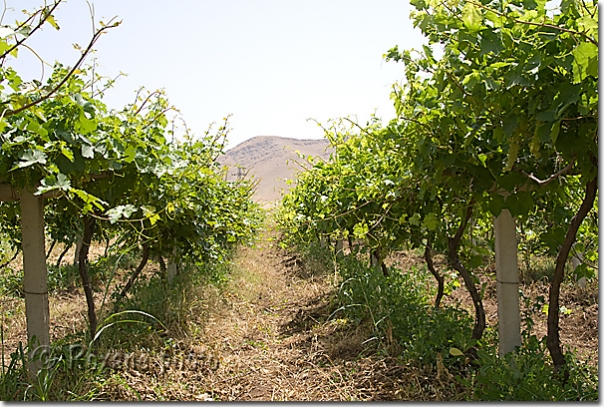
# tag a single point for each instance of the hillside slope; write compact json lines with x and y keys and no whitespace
{"x":271,"y":160}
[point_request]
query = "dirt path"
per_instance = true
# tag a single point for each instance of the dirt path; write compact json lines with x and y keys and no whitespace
{"x":272,"y":338}
{"x":268,"y":336}
{"x":275,"y":340}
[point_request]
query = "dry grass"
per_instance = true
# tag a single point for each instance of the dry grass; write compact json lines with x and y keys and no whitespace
{"x":67,"y":315}
{"x":275,"y":343}
{"x":68,"y":309}
{"x":267,"y":336}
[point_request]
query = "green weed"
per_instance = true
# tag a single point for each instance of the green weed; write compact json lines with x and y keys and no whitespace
{"x":528,"y":375}
{"x":401,"y":306}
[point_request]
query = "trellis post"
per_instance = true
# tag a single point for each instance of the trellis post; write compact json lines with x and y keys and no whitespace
{"x":508,"y":299}
{"x":35,"y":281}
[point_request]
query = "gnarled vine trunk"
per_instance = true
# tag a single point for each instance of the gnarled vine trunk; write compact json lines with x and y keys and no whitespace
{"x":480,"y":320}
{"x":376,"y":261}
{"x":553,"y":314}
{"x":76,"y":254}
{"x":52,"y":246}
{"x":339,"y":247}
{"x":63,"y":253}
{"x":6,"y":263}
{"x":439,"y":278}
{"x":172,"y":266}
{"x":89,"y":223}
{"x":141,"y":266}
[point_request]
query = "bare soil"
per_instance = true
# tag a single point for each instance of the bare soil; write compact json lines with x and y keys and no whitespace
{"x":270,"y":338}
{"x":267,"y":336}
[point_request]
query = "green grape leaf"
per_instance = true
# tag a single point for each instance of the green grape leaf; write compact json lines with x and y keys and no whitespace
{"x":471,"y":16}
{"x":509,"y":124}
{"x":585,"y":62}
{"x":430,"y":221}
{"x":520,"y":203}
{"x":87,"y":151}
{"x":583,"y":271}
{"x":52,"y":182}
{"x":360,"y":230}
{"x":496,"y":204}
{"x":30,"y":158}
{"x":114,"y":214}
{"x":86,"y":125}
{"x":50,"y":19}
{"x":130,"y":154}
{"x":555,"y":131}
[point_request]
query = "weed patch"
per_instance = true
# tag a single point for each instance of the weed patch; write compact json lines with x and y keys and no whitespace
{"x":405,"y":325}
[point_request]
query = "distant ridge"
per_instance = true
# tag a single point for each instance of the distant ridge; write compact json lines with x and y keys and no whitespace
{"x":266,"y":158}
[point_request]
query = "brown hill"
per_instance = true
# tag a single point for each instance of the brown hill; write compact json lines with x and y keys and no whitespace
{"x":271,"y":160}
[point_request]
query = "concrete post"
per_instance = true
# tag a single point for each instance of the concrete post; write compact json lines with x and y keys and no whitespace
{"x":508,"y":299}
{"x":373,"y":261}
{"x":35,"y":283}
{"x":576,"y":261}
{"x":339,"y":247}
{"x":78,"y":249}
{"x":172,"y":268}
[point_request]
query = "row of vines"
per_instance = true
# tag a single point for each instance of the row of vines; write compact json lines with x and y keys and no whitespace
{"x":502,"y":125}
{"x":74,"y":172}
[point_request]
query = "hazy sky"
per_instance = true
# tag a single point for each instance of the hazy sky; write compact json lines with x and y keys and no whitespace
{"x":270,"y":63}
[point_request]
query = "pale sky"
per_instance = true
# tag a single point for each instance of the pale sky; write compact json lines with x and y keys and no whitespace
{"x":270,"y":63}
